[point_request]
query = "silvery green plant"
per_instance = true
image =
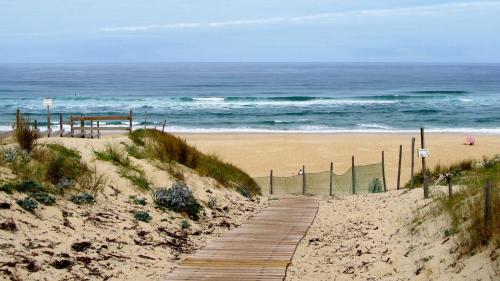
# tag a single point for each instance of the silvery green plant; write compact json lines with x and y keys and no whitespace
{"x":178,"y":198}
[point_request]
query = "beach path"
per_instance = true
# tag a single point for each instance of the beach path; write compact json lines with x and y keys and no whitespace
{"x":260,"y":249}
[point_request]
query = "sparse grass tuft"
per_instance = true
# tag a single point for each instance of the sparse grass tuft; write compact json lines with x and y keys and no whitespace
{"x":185,"y":224}
{"x":244,"y":191}
{"x":44,"y":198}
{"x":138,"y":201}
{"x":25,"y":135}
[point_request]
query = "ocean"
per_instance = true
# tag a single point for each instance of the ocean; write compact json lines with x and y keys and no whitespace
{"x":262,"y":97}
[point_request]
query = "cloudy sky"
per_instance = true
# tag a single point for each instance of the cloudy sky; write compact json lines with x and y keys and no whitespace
{"x":249,"y":30}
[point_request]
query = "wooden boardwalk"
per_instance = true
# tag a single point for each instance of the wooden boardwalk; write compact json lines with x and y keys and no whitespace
{"x":260,"y":249}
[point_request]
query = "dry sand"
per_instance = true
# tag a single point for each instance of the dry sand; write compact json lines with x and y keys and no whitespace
{"x":379,"y":237}
{"x":286,"y":153}
{"x":121,"y":248}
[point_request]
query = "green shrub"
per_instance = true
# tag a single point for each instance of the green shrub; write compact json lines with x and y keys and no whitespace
{"x":83,"y":198}
{"x":115,"y":155}
{"x":138,"y":201}
{"x":243,"y":191}
{"x":44,"y":198}
{"x":142,"y":216}
{"x":7,"y":187}
{"x":185,"y":224}
{"x":28,"y":204}
{"x":25,"y":135}
{"x":91,"y":181}
{"x":135,"y":151}
{"x":178,"y":198}
{"x":212,"y":202}
{"x":64,"y":151}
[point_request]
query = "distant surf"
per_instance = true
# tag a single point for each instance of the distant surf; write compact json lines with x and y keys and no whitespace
{"x":268,"y":97}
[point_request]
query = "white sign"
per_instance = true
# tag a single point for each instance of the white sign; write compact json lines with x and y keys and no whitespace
{"x":423,"y":152}
{"x":47,"y":102}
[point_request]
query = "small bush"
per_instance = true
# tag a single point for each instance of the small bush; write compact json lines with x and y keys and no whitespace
{"x":83,"y":198}
{"x":7,"y":187}
{"x":91,"y":181}
{"x":25,"y":135}
{"x":142,"y":216}
{"x":185,"y":224}
{"x":28,"y":204}
{"x":44,"y":198}
{"x":244,"y":191}
{"x":135,"y":151}
{"x":178,"y":198}
{"x":212,"y":202}
{"x":115,"y":155}
{"x":138,"y":201}
{"x":9,"y":155}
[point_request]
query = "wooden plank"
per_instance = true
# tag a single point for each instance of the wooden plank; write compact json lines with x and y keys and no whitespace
{"x":98,"y":118}
{"x":254,"y":251}
{"x":102,"y":128}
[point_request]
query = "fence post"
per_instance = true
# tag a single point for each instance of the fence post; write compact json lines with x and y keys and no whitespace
{"x":72,"y":131}
{"x":303,"y":179}
{"x":450,"y":188}
{"x":399,"y":165}
{"x":426,"y":189}
{"x":130,"y":121}
{"x":271,"y":183}
{"x":91,"y":129}
{"x":49,"y":130}
{"x":98,"y":130}
{"x":163,"y":129}
{"x":412,"y":160}
{"x":82,"y":124}
{"x":383,"y":172}
{"x":353,"y":177}
{"x":331,"y":178}
{"x":36,"y":124}
{"x":18,"y":113}
{"x":487,"y":202}
{"x":60,"y":125}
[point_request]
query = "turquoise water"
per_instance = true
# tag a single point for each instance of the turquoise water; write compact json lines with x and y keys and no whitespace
{"x":263,"y":97}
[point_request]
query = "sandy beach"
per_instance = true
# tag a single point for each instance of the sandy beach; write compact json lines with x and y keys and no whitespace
{"x":286,"y":153}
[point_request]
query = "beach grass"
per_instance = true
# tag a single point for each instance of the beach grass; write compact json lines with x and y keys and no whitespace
{"x":168,"y":148}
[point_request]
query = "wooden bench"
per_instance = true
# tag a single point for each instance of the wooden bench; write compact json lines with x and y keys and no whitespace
{"x":83,"y":128}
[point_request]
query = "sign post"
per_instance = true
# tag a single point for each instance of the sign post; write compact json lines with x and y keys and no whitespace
{"x":47,"y":102}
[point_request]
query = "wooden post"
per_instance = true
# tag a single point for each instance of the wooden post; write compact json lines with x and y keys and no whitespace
{"x":18,"y":115}
{"x":91,"y":129}
{"x":71,"y":124}
{"x":331,"y":178}
{"x":399,"y":165}
{"x":412,"y":160}
{"x":61,"y":130}
{"x":164,"y":124}
{"x":48,"y":121}
{"x":271,"y":183}
{"x":353,"y":177}
{"x":98,"y":131}
{"x":383,"y":172}
{"x":424,"y":178}
{"x":487,"y":202}
{"x":82,"y":124}
{"x":145,"y":119}
{"x":130,"y":121}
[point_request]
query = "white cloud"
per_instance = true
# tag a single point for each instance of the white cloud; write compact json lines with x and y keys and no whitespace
{"x":324,"y":17}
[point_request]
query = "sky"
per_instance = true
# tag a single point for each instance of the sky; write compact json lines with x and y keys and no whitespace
{"x":129,"y":31}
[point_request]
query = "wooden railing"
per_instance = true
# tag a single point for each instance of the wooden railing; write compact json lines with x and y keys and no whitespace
{"x":83,"y":127}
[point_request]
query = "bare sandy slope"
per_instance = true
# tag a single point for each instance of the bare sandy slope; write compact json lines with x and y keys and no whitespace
{"x":286,"y":153}
{"x":120,"y":247}
{"x":376,"y":237}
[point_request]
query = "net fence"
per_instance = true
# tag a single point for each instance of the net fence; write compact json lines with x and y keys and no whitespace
{"x":367,"y":179}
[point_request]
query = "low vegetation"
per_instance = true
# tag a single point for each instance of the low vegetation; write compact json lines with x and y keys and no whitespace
{"x":83,"y":198}
{"x":465,"y":207}
{"x":24,"y":134}
{"x":127,"y":168}
{"x":168,"y":148}
{"x":178,"y":198}
{"x":142,"y":216}
{"x":28,"y":204}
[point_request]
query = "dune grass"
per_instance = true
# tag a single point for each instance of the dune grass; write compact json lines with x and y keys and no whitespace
{"x":465,"y":207}
{"x":167,"y":148}
{"x":24,"y":134}
{"x":127,"y":169}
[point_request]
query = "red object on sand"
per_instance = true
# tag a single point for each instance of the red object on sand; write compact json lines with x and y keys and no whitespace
{"x":471,"y":140}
